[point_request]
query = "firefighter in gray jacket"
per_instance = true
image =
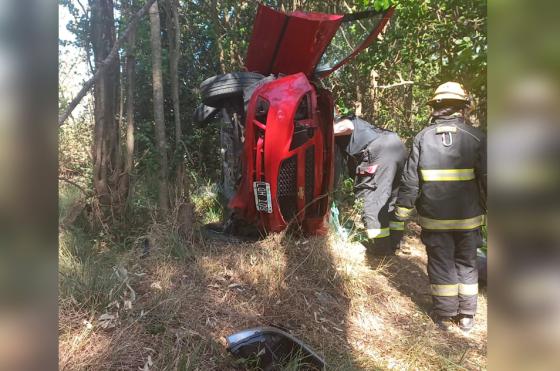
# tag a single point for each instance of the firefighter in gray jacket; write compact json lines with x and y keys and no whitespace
{"x":445,"y":179}
{"x":379,"y":155}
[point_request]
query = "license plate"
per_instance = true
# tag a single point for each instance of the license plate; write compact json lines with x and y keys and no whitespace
{"x":262,"y":196}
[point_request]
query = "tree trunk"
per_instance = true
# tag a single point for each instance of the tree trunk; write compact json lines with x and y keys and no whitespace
{"x":107,"y":62}
{"x":216,"y":24}
{"x":174,"y":53}
{"x":161,"y":143}
{"x":130,"y":75}
{"x":119,"y":164}
{"x":372,"y":93}
{"x":358,"y":101}
{"x":105,"y":98}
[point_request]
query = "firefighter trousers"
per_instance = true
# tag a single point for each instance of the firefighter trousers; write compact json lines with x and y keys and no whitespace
{"x":376,"y":185}
{"x":452,"y":270}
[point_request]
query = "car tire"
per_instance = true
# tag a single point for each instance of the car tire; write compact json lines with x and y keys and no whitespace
{"x":204,"y":114}
{"x":215,"y":90}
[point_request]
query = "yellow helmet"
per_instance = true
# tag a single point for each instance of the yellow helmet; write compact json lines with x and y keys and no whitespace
{"x":449,"y":91}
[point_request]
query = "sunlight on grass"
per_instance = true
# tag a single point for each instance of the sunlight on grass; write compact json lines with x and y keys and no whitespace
{"x":206,"y":201}
{"x":191,"y":294}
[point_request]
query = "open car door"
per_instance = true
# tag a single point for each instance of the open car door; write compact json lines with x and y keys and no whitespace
{"x":287,"y":43}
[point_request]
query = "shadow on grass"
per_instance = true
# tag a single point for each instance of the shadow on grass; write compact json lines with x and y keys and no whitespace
{"x":407,"y":274}
{"x":191,"y":294}
{"x":283,"y":281}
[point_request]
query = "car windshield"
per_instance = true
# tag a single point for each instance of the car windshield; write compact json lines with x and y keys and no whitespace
{"x":350,"y":36}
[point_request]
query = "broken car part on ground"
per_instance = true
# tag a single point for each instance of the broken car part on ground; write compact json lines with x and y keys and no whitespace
{"x":270,"y":347}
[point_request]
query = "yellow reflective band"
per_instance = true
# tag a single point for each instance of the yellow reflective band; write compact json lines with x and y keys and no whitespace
{"x":444,"y":224}
{"x":403,"y":212}
{"x":446,"y":129}
{"x":396,"y":226}
{"x":447,"y":175}
{"x":468,"y":289}
{"x":378,"y":232}
{"x":445,"y":290}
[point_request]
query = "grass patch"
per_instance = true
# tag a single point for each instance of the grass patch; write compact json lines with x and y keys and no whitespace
{"x":191,"y":294}
{"x":206,"y":200}
{"x":87,"y":271}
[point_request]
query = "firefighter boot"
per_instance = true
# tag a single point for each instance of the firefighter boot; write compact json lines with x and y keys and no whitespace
{"x":465,"y":322}
{"x":444,"y":323}
{"x":379,"y":247}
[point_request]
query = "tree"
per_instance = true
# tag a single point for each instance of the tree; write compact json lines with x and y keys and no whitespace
{"x":130,"y":76}
{"x":159,"y":118}
{"x":174,"y":32}
{"x":106,"y":63}
{"x":106,"y":131}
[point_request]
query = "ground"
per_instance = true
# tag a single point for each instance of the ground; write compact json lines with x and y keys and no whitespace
{"x":167,"y":304}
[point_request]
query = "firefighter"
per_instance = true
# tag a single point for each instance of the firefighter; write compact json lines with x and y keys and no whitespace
{"x":379,"y":155}
{"x":444,"y":178}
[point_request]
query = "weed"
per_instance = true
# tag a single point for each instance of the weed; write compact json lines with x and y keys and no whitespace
{"x":206,"y":200}
{"x":86,"y":274}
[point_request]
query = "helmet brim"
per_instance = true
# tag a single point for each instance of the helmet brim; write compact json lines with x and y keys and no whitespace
{"x":438,"y":98}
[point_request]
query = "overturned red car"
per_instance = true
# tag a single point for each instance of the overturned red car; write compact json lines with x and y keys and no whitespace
{"x":278,"y":164}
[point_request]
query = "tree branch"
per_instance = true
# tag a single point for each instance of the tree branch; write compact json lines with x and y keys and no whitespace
{"x":395,"y":85}
{"x":82,"y":189}
{"x":103,"y":66}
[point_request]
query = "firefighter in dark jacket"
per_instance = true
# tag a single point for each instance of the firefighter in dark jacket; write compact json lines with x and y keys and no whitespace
{"x":379,"y":155}
{"x":445,"y":179}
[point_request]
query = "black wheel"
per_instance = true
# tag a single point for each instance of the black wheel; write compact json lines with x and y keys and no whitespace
{"x":203,"y":114}
{"x":219,"y":88}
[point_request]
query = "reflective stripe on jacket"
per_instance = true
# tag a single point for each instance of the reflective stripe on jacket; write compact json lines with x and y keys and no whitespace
{"x":445,"y":177}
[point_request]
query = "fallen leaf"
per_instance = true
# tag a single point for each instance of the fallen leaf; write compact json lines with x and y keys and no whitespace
{"x":156,"y":285}
{"x":147,"y":364}
{"x":132,"y":292}
{"x":88,"y":324}
{"x":106,"y":317}
{"x":192,"y":332}
{"x":114,"y":304}
{"x":107,"y":320}
{"x":121,"y":273}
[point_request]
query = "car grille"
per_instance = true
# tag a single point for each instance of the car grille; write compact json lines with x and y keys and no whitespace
{"x":309,"y":176}
{"x":287,"y":188}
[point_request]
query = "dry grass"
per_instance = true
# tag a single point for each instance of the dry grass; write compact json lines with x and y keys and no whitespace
{"x":359,"y":314}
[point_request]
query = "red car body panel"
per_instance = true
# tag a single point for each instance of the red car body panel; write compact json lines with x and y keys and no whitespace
{"x":277,"y":146}
{"x":289,"y":43}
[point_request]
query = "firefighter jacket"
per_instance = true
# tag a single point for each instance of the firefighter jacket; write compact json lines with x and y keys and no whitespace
{"x":445,"y":177}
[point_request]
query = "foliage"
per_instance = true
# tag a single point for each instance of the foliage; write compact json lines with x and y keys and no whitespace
{"x":426,"y":42}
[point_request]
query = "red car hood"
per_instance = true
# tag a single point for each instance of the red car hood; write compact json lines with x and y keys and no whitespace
{"x":294,"y":42}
